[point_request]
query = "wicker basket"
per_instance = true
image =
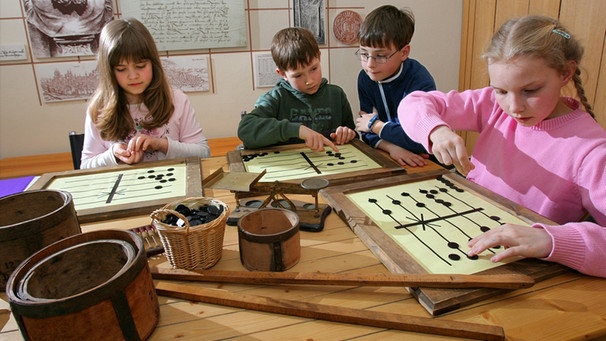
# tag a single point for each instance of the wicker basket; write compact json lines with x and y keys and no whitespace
{"x":191,"y":247}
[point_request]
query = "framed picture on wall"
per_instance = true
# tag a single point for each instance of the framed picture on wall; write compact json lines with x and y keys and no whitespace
{"x":216,"y":24}
{"x":188,"y":73}
{"x":311,"y":14}
{"x":67,"y":81}
{"x":265,"y":70}
{"x":61,"y":28}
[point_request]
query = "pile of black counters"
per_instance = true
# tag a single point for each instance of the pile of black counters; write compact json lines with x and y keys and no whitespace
{"x":203,"y":215}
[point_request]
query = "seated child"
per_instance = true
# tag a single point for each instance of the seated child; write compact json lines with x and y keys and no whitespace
{"x":535,"y":147}
{"x":135,"y":115}
{"x":387,"y":76}
{"x":302,"y":107}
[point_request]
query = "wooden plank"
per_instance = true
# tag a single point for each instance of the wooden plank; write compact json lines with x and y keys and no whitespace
{"x":398,"y":260}
{"x":13,"y":167}
{"x":222,"y":145}
{"x":332,"y":313}
{"x":585,"y":20}
{"x":500,"y":281}
{"x":549,"y":8}
{"x":508,"y":9}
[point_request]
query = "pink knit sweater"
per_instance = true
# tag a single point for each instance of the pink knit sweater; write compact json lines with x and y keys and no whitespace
{"x":185,"y":137}
{"x":556,"y":168}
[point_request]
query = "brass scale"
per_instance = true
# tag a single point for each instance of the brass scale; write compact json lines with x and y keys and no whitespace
{"x":247,"y":185}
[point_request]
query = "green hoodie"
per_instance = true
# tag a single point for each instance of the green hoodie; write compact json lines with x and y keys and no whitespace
{"x":279,"y":113}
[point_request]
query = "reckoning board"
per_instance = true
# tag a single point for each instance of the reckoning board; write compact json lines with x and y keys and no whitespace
{"x":126,"y":190}
{"x":420,"y":223}
{"x":355,"y":160}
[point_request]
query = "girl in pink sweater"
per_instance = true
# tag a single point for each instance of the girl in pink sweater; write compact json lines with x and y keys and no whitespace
{"x":540,"y":150}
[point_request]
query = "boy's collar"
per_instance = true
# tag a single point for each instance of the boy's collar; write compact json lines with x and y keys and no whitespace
{"x":395,"y":75}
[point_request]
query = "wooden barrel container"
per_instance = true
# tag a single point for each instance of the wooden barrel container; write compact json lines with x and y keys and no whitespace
{"x":30,"y":221}
{"x":269,"y":239}
{"x":91,"y":286}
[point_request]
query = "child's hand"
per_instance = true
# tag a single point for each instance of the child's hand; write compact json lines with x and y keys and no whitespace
{"x":364,"y":119}
{"x":121,"y":153}
{"x":343,"y":135}
{"x":402,"y":156}
{"x":314,"y":140}
{"x":449,"y":148}
{"x":524,"y":241}
{"x":142,"y":143}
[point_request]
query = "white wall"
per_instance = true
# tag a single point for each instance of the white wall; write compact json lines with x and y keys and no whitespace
{"x":29,"y":127}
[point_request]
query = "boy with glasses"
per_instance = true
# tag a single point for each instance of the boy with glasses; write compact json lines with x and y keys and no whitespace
{"x":387,"y":76}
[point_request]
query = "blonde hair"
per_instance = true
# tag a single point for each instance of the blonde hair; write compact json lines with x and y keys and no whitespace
{"x":127,"y":40}
{"x":542,"y":37}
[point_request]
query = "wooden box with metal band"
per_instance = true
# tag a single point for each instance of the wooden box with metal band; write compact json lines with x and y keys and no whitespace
{"x":417,"y":224}
{"x":126,"y":190}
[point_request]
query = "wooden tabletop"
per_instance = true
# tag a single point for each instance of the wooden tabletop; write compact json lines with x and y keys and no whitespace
{"x":565,"y":307}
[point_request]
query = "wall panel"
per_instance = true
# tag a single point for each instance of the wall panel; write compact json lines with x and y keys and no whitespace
{"x":23,"y":115}
{"x":584,"y":18}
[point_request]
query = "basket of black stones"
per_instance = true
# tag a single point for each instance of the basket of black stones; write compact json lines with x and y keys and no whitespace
{"x":192,"y":231}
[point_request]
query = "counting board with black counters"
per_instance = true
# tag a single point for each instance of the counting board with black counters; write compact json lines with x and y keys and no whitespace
{"x":352,"y":162}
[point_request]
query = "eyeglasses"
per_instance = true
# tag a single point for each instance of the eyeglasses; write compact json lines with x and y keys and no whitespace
{"x":364,"y":57}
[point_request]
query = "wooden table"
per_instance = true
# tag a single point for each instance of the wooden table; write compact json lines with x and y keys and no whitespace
{"x":571,"y":306}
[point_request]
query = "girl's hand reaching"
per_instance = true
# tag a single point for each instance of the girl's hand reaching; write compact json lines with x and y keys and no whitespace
{"x":449,"y":148}
{"x":524,"y":241}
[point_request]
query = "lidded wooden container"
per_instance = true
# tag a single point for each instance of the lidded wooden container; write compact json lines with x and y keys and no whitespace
{"x":31,"y":220}
{"x":269,"y":239}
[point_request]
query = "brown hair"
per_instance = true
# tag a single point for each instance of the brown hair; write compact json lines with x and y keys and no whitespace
{"x":542,"y":37}
{"x":293,"y":47}
{"x":127,"y":40}
{"x":387,"y":25}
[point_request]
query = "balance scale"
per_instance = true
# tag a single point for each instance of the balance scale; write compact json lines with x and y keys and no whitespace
{"x":252,"y":195}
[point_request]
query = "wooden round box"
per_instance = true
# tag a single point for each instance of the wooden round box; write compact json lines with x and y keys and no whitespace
{"x":269,"y":239}
{"x":91,"y":286}
{"x":30,"y":221}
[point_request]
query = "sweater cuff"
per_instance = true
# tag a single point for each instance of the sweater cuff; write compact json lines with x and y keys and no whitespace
{"x":383,"y":127}
{"x":568,"y":246}
{"x":427,"y":126}
{"x":292,"y":130}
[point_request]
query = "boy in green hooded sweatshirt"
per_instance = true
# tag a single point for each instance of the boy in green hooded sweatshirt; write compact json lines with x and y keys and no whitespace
{"x":302,"y":107}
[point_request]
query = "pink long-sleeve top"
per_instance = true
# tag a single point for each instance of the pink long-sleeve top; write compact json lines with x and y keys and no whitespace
{"x":184,"y":134}
{"x":556,"y":168}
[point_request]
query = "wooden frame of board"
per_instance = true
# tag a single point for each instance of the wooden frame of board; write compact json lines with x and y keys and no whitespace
{"x":193,"y":184}
{"x":397,"y":260}
{"x":387,"y":165}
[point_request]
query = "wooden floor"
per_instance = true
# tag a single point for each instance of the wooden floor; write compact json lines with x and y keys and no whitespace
{"x":48,"y":163}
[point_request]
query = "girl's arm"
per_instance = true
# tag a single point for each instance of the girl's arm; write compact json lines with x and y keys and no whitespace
{"x":95,"y":151}
{"x":189,"y":140}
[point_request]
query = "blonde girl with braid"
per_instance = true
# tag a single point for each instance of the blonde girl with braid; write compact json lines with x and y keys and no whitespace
{"x":536,"y":147}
